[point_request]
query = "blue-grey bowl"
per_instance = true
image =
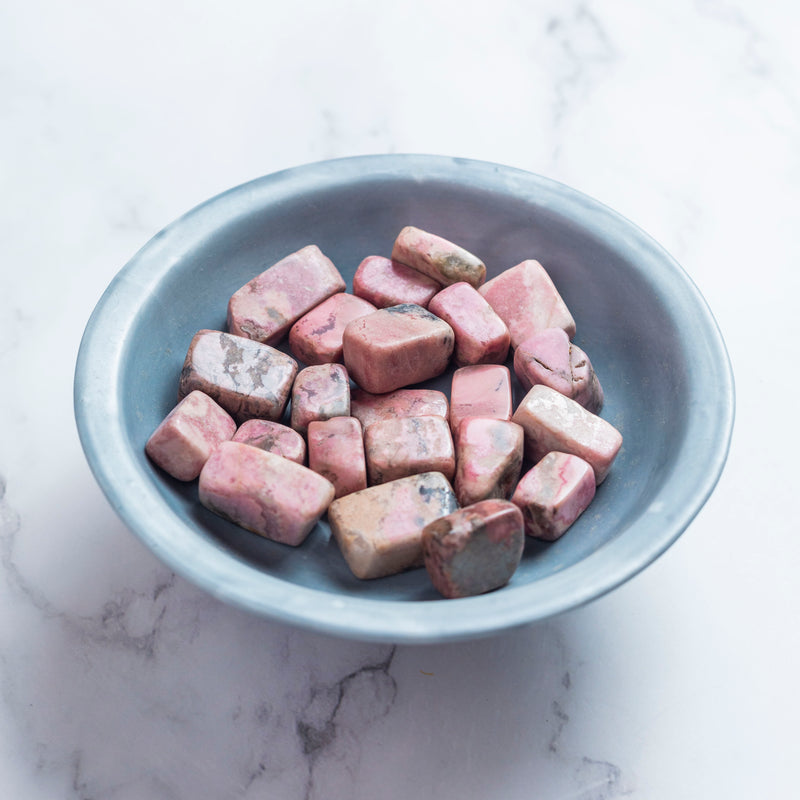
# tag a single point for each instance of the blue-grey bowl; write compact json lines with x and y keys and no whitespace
{"x":649,"y":333}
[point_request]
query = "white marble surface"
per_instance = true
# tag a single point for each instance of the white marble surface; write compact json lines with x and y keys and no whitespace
{"x":119,"y":680}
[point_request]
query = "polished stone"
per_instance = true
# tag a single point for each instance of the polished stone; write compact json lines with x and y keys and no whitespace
{"x":336,"y":451}
{"x":369,"y":408}
{"x":273,"y":437}
{"x":480,"y":391}
{"x":384,"y":283}
{"x":321,"y":391}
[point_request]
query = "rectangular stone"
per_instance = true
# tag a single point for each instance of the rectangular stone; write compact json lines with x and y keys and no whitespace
{"x":437,"y":258}
{"x":320,"y":392}
{"x":336,"y":451}
{"x":483,"y":390}
{"x":384,"y":283}
{"x":369,"y":408}
{"x":272,"y":437}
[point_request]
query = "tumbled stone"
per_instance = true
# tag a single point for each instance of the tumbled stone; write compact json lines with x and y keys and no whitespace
{"x":379,"y":530}
{"x":187,"y":436}
{"x":316,"y":338}
{"x":550,"y":358}
{"x":272,"y":437}
{"x":481,"y":336}
{"x":553,"y":494}
{"x":384,"y":283}
{"x":480,"y":391}
{"x":396,"y":448}
{"x":475,"y":549}
{"x":437,"y":258}
{"x":248,"y":379}
{"x":336,"y":451}
{"x":552,"y":421}
{"x":488,"y":459}
{"x":369,"y":408}
{"x":320,"y":392}
{"x":395,"y":347}
{"x":263,"y":492}
{"x":526,"y":299}
{"x":266,"y":307}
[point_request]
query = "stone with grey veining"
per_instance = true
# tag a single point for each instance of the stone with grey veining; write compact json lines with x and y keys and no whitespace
{"x":273,"y":437}
{"x":321,"y":391}
{"x":384,"y":282}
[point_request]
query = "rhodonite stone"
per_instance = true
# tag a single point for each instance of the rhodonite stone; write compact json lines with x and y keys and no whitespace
{"x":187,"y":436}
{"x":266,"y":307}
{"x":263,"y":492}
{"x":369,"y":408}
{"x":396,"y":448}
{"x":316,"y":338}
{"x":384,"y":282}
{"x":553,"y":494}
{"x":480,"y":391}
{"x":248,"y":379}
{"x":396,"y":347}
{"x":379,"y":530}
{"x":475,"y":549}
{"x":526,"y":299}
{"x":481,"y":336}
{"x":272,"y":437}
{"x":320,"y":392}
{"x":437,"y":258}
{"x":488,"y":459}
{"x":550,"y":358}
{"x":336,"y":451}
{"x":552,"y":421}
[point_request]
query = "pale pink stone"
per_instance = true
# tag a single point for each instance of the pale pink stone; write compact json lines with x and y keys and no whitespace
{"x":248,"y":379}
{"x":481,"y":336}
{"x":488,"y":459}
{"x":526,"y":299}
{"x":475,"y":549}
{"x":480,"y":391}
{"x":384,"y":282}
{"x":274,"y":438}
{"x":396,"y":347}
{"x":187,"y":436}
{"x":554,"y":494}
{"x":336,"y":451}
{"x":379,"y":530}
{"x":437,"y":258}
{"x":265,"y":308}
{"x":263,"y":492}
{"x":552,"y":421}
{"x":550,"y":358}
{"x":320,"y":392}
{"x":369,"y":408}
{"x":316,"y":338}
{"x":396,"y":448}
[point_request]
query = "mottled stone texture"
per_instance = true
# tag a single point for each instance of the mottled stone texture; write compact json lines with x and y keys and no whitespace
{"x":396,"y":347}
{"x":552,"y":421}
{"x":272,"y":437}
{"x":481,"y":336}
{"x":437,"y":258}
{"x":550,"y":358}
{"x":320,"y":392}
{"x":263,"y":492}
{"x":526,"y":299}
{"x":379,"y":530}
{"x":480,"y":391}
{"x":265,"y":308}
{"x":369,"y":408}
{"x":316,"y":338}
{"x":384,"y":283}
{"x":248,"y":379}
{"x":336,"y":451}
{"x":553,"y":494}
{"x":187,"y":436}
{"x":475,"y":549}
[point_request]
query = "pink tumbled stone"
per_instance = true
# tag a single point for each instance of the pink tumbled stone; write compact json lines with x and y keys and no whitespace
{"x":384,"y":282}
{"x":481,"y":336}
{"x":320,"y":392}
{"x":248,"y":379}
{"x":316,"y":338}
{"x":526,"y":299}
{"x":272,"y":437}
{"x":396,"y":347}
{"x":336,"y":451}
{"x":480,"y":391}
{"x":369,"y":408}
{"x":437,"y":258}
{"x":265,"y":308}
{"x":554,"y":494}
{"x":475,"y":549}
{"x":550,"y":358}
{"x":263,"y":492}
{"x":488,"y":459}
{"x":379,"y":530}
{"x":552,"y":421}
{"x":187,"y":436}
{"x":397,"y":448}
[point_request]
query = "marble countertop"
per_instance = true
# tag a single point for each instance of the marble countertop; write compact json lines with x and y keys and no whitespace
{"x":120,"y":680}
